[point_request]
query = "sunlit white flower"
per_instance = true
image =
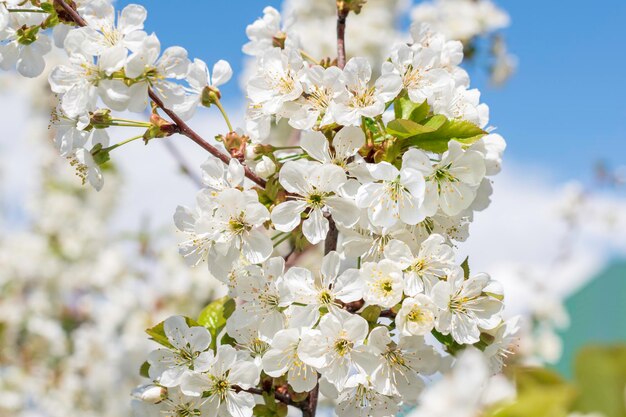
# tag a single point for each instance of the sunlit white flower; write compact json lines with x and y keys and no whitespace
{"x":200,"y":79}
{"x":260,"y":289}
{"x":321,"y":86}
{"x":451,"y":184}
{"x":282,"y":358}
{"x":417,"y":316}
{"x":383,"y":283}
{"x":218,"y":176}
{"x":360,"y":398}
{"x":465,"y":305}
{"x":346,"y":144}
{"x":506,"y":336}
{"x":106,"y":40}
{"x":300,"y":286}
{"x":464,"y":104}
{"x":174,"y":404}
{"x":420,"y":76}
{"x":237,"y":223}
{"x":220,"y":383}
{"x":359,"y":99}
{"x":23,"y":45}
{"x":317,"y":188}
{"x":276,"y":81}
{"x":153,"y":70}
{"x":266,"y":33}
{"x":397,"y":194}
{"x":336,"y":347}
{"x":433,"y":260}
{"x":188,"y":352}
{"x":402,"y":365}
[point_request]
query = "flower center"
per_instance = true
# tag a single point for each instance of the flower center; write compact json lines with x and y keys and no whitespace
{"x":343,"y":346}
{"x":419,"y":316}
{"x":363,"y":98}
{"x":220,"y":386}
{"x":386,"y":286}
{"x":413,"y":77}
{"x":186,"y":410}
{"x":238,"y":225}
{"x":325,"y":297}
{"x":316,"y":199}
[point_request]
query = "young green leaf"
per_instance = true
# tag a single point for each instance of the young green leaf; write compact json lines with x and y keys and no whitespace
{"x":157,"y":333}
{"x":214,"y":316}
{"x":404,"y":108}
{"x":437,"y":140}
{"x":402,"y":128}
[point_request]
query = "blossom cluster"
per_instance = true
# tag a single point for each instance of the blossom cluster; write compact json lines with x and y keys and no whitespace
{"x":384,"y":169}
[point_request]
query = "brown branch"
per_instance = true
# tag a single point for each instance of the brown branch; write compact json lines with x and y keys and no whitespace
{"x":342,"y":15}
{"x":310,"y":407}
{"x":330,"y":244}
{"x":285,"y":399}
{"x":183,"y":128}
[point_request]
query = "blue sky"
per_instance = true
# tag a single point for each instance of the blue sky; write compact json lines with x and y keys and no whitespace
{"x":564,"y":109}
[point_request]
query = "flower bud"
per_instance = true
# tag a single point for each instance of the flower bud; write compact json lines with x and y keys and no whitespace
{"x":265,"y":168}
{"x":160,"y":128}
{"x":150,"y":393}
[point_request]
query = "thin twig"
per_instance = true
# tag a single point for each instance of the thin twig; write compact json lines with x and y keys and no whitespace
{"x":183,"y":128}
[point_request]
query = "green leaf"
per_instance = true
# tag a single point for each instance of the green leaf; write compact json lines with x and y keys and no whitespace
{"x":600,"y":373}
{"x":466,"y":268}
{"x":214,"y":316}
{"x":371,"y":314}
{"x":404,"y":108}
{"x":144,"y":370}
{"x":442,"y":132}
{"x":436,"y":121}
{"x":540,"y":393}
{"x":157,"y":333}
{"x":452,"y":347}
{"x":47,"y":7}
{"x":402,"y":128}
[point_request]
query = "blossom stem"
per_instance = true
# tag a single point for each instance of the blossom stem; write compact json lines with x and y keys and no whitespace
{"x":131,"y":122}
{"x":309,"y":57}
{"x":224,"y":115}
{"x":124,"y":124}
{"x":26,"y":11}
{"x":279,"y":234}
{"x":282,"y":239}
{"x":124,"y":142}
{"x":183,"y":128}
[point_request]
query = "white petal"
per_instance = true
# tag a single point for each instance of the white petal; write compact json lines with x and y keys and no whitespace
{"x":316,"y":145}
{"x":257,"y":246}
{"x":222,"y":73}
{"x":316,"y":227}
{"x":286,"y":216}
{"x":348,"y":141}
